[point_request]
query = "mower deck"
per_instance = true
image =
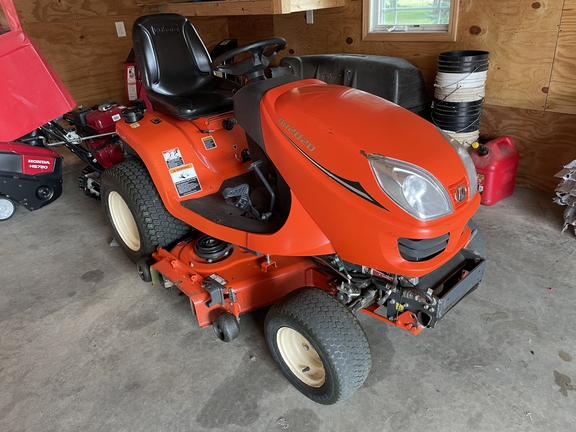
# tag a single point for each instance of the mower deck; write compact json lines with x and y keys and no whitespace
{"x":237,"y":282}
{"x":220,"y":278}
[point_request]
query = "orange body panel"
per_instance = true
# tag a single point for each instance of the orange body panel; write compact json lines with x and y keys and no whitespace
{"x":151,"y":138}
{"x":338,"y":140}
{"x":318,"y":136}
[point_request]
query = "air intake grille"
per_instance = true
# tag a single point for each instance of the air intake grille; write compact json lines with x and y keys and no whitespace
{"x":414,"y":250}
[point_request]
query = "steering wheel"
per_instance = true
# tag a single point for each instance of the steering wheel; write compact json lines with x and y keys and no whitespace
{"x":262,"y":52}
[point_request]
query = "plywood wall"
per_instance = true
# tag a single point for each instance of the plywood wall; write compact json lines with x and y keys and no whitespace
{"x":532,"y":68}
{"x":531,"y":88}
{"x":250,"y":28}
{"x":79,"y":40}
{"x":520,"y":36}
{"x":545,"y":141}
{"x":562,"y":94}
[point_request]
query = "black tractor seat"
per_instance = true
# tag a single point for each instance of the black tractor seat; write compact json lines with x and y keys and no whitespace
{"x":175,"y":68}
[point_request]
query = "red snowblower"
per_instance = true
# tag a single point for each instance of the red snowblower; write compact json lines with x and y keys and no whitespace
{"x":35,"y":115}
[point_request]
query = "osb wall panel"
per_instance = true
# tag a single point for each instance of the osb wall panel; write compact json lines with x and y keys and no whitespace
{"x":250,"y":28}
{"x":79,"y":40}
{"x":562,"y":94}
{"x":66,"y":10}
{"x":545,"y":141}
{"x":520,"y":36}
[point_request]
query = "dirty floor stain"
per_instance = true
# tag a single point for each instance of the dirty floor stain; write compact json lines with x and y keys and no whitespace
{"x":563,"y":381}
{"x":565,"y":356}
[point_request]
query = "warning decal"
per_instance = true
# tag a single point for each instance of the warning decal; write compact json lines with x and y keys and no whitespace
{"x":173,"y":158}
{"x":216,"y":277}
{"x":131,"y":83}
{"x":209,"y":142}
{"x":481,"y":178}
{"x":185,"y":180}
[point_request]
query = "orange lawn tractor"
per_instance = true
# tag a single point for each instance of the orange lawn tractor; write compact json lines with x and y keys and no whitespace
{"x":318,"y":199}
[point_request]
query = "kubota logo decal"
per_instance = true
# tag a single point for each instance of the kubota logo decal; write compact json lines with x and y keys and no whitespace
{"x":173,"y":28}
{"x":461,"y":193}
{"x":297,"y":135}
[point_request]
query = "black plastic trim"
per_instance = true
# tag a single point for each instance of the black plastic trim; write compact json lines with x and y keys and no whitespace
{"x":415,"y":250}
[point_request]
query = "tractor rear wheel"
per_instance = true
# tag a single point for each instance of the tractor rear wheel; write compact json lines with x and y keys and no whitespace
{"x":318,"y":344}
{"x":139,"y":221}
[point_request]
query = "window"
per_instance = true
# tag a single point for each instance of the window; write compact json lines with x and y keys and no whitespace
{"x":405,"y":20}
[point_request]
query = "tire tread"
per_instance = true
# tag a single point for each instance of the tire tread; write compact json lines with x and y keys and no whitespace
{"x":161,"y":228}
{"x":339,"y":330}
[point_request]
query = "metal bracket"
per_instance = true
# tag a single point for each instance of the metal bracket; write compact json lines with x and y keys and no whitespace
{"x":254,"y":166}
{"x":216,"y":291}
{"x":232,"y":295}
{"x":267,"y":263}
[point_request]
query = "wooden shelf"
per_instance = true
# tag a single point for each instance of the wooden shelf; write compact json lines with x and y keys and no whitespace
{"x":242,"y":7}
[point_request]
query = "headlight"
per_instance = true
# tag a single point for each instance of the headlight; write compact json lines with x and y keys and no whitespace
{"x":466,"y":160}
{"x":415,"y":190}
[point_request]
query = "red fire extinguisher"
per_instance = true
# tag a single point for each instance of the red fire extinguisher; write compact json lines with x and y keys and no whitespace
{"x":496,"y":163}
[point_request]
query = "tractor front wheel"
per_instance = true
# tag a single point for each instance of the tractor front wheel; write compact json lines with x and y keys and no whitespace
{"x":318,"y":344}
{"x":135,"y":211}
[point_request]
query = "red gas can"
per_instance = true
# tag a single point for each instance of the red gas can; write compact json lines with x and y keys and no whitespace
{"x":496,"y":164}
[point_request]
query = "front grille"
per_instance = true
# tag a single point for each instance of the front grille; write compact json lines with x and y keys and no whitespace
{"x":415,"y":250}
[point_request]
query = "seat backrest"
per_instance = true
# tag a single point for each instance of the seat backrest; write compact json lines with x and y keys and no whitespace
{"x":172,"y":58}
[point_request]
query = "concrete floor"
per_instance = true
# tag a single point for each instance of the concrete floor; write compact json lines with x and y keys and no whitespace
{"x":85,"y":345}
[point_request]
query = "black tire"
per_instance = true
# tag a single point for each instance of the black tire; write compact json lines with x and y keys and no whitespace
{"x":226,"y":327}
{"x":333,"y":354}
{"x":478,"y":244}
{"x":143,"y":268}
{"x":127,"y":190}
{"x":7,"y":208}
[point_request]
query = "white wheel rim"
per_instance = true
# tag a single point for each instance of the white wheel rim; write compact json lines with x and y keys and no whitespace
{"x":301,"y":357}
{"x":6,"y":208}
{"x":123,"y":221}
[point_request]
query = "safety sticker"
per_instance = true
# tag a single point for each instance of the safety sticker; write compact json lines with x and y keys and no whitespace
{"x":116,"y":117}
{"x":173,"y":158}
{"x":218,"y":278}
{"x":481,"y":178}
{"x":377,"y":273}
{"x":135,"y":125}
{"x":185,"y":180}
{"x":131,"y":83}
{"x":209,"y":142}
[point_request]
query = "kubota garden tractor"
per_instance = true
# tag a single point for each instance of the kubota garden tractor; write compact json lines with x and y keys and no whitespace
{"x":321,"y":200}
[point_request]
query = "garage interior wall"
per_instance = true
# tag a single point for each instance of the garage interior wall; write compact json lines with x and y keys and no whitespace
{"x":530,"y":91}
{"x":79,"y":40}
